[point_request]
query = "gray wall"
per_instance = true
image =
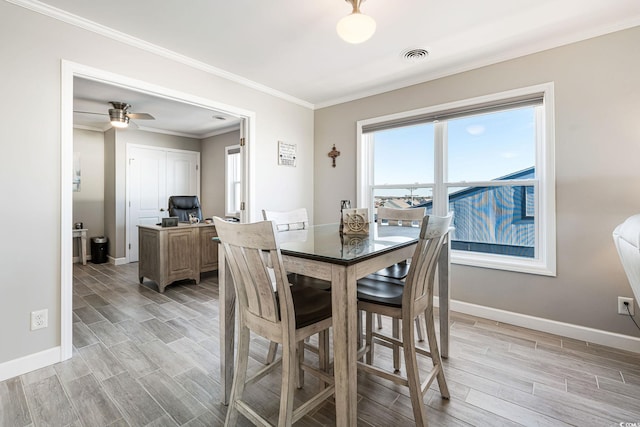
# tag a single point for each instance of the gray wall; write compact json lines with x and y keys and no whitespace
{"x":31,"y":78}
{"x":597,"y":102}
{"x":212,"y":181}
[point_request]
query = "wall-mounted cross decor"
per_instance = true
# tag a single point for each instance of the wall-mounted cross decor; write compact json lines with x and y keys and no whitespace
{"x":333,"y":154}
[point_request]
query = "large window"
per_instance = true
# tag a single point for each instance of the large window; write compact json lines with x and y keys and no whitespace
{"x":488,"y":160}
{"x":233,"y":181}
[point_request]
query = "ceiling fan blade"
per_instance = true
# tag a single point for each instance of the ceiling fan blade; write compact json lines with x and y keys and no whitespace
{"x":140,"y":116}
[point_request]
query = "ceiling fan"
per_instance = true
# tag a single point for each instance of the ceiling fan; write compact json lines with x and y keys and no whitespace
{"x":119,"y":115}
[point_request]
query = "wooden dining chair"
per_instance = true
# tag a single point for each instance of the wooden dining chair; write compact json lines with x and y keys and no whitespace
{"x":295,"y":219}
{"x":405,"y":302}
{"x":394,"y":217}
{"x":286,"y":316}
{"x":290,"y":223}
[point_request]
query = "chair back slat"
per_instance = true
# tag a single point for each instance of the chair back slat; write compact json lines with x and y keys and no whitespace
{"x":297,"y":219}
{"x":255,"y":263}
{"x":400,"y":217}
{"x":418,"y":292}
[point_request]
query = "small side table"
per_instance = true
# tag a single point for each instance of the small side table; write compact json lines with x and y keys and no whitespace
{"x":81,"y":233}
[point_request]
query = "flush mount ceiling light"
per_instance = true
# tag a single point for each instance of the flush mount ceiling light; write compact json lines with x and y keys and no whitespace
{"x":356,"y":28}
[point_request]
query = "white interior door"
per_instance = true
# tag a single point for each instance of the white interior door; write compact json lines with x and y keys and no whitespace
{"x":147,"y":192}
{"x":154,"y":175}
{"x":183,"y":169}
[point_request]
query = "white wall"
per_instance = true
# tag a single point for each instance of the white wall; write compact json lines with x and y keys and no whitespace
{"x":597,"y":105}
{"x":30,"y":161}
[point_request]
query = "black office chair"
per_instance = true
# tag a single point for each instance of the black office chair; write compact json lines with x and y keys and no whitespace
{"x":183,"y":206}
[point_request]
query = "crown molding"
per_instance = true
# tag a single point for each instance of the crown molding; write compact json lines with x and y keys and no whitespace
{"x":119,"y":36}
{"x":92,"y":128}
{"x":162,"y":131}
{"x":221,"y":131}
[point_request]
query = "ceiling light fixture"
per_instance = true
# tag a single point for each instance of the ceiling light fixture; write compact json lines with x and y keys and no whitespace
{"x":118,"y":117}
{"x":356,"y":28}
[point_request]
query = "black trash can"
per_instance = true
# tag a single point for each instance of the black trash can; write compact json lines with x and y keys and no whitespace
{"x":99,"y":249}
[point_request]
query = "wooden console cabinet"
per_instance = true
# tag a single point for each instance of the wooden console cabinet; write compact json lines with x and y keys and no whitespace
{"x":167,"y":254}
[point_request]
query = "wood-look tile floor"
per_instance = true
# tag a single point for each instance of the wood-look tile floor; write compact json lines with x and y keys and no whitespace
{"x":147,"y":359}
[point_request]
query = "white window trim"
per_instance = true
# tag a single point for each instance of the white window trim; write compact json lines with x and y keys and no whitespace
{"x":544,"y":262}
{"x":227,"y":183}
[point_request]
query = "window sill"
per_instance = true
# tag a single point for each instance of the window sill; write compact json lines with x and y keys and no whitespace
{"x":502,"y":262}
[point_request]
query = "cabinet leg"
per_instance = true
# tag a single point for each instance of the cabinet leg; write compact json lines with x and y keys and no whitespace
{"x":141,"y":279}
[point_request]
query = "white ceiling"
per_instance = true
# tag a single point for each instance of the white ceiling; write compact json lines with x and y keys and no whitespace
{"x":291,"y":47}
{"x":171,"y":117}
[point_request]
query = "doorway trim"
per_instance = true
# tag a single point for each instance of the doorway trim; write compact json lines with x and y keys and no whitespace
{"x":69,"y":70}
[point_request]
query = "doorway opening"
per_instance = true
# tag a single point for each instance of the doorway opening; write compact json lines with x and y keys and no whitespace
{"x":71,"y":71}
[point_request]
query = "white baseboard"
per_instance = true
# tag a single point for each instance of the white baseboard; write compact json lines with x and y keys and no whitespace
{"x":29,"y":363}
{"x":117,"y":261}
{"x":582,"y":333}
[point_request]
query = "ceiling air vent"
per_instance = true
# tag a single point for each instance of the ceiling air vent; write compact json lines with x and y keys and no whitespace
{"x":415,"y":55}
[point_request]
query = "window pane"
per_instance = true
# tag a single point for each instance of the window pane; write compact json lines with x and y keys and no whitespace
{"x":491,"y":146}
{"x":496,"y":220}
{"x":403,"y":155}
{"x":236,"y":197}
{"x":233,"y":181}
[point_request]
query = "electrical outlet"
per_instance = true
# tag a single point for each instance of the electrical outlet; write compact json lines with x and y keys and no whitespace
{"x":622,"y":309}
{"x":39,"y":319}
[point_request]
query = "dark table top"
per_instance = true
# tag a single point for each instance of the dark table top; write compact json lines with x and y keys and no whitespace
{"x":325,"y":243}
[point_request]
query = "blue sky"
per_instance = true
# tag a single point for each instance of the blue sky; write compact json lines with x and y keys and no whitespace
{"x":480,"y":148}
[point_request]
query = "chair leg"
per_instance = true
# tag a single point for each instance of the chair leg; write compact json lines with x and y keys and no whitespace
{"x":271,"y":355}
{"x":300,"y":358}
{"x":360,"y":333}
{"x":395,"y":332}
{"x":435,"y":353}
{"x":240,"y":376}
{"x":420,"y":328}
{"x":413,"y":375}
{"x":289,"y":366}
{"x":323,"y":354}
{"x":369,"y":337}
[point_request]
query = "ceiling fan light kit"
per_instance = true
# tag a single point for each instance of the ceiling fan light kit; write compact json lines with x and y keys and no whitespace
{"x":118,"y":115}
{"x":356,"y":27}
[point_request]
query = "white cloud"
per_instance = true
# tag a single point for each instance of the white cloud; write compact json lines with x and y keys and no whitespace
{"x":475,"y":130}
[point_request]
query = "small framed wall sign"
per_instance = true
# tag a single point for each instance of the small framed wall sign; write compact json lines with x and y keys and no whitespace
{"x":287,"y":153}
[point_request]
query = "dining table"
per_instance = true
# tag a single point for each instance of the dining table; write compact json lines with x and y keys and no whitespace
{"x":324,"y":252}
